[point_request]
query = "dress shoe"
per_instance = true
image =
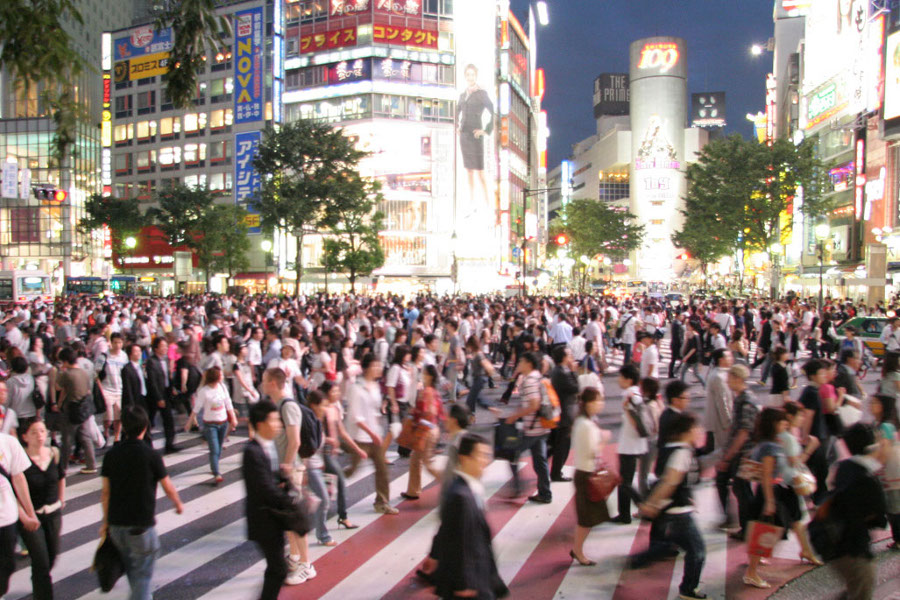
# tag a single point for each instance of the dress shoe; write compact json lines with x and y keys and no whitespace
{"x":561,"y":478}
{"x":540,"y":499}
{"x":172,"y":449}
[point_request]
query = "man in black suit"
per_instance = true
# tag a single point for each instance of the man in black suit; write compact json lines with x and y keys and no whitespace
{"x":677,"y":342}
{"x":466,"y":564}
{"x":565,"y":384}
{"x":159,"y":390}
{"x":134,"y":384}
{"x":260,"y":470}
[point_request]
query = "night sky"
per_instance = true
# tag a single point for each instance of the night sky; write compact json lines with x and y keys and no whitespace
{"x":589,"y":37}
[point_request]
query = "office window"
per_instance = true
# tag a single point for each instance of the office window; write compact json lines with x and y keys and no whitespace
{"x":220,"y":89}
{"x":146,"y":131}
{"x":122,"y":163}
{"x":123,"y":106}
{"x":194,"y":155}
{"x":220,"y":119}
{"x":170,"y":157}
{"x":123,"y":134}
{"x":146,"y":102}
{"x":220,"y":182}
{"x":194,"y":123}
{"x":219,"y":152}
{"x":146,"y":161}
{"x":169,"y":127}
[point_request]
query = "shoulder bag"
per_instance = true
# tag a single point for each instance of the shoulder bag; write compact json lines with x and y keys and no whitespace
{"x":602,"y":482}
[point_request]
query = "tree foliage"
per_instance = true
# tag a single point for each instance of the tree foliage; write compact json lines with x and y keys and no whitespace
{"x":598,"y":228}
{"x":305,"y":167}
{"x":123,"y":217}
{"x":225,"y":239}
{"x":355,"y":247}
{"x":36,"y":49}
{"x":197,"y":36}
{"x":741,"y":194}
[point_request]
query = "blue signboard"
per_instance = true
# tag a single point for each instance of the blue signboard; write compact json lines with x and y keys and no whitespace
{"x":248,"y":65}
{"x":141,"y":41}
{"x":246,"y":179}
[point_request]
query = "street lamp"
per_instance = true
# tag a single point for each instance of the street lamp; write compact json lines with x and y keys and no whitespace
{"x":130,"y":243}
{"x":822,"y":230}
{"x":756,"y":50}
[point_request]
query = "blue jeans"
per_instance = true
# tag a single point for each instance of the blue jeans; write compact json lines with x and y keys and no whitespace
{"x":537,"y":444}
{"x":215,"y":437}
{"x":139,"y":548}
{"x":333,"y":467}
{"x":317,"y":486}
{"x":472,"y":399}
{"x":680,"y":530}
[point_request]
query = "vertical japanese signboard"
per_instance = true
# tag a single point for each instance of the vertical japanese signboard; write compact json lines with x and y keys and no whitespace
{"x":246,"y":179}
{"x":248,"y":66}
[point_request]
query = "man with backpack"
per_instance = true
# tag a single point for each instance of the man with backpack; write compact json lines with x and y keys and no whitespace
{"x":76,"y":405}
{"x":535,"y":433}
{"x":288,"y":443}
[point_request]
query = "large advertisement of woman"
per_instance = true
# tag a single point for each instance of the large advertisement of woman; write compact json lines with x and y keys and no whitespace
{"x":475,"y":205}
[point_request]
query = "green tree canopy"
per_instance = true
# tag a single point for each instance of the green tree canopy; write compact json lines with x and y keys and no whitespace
{"x":182,"y":214}
{"x":305,"y":167}
{"x":355,"y":247}
{"x":225,"y":240}
{"x":598,"y":228}
{"x":123,"y":217}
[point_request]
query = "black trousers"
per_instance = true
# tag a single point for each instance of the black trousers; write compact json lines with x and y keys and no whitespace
{"x":627,"y":493}
{"x":43,"y":547}
{"x":559,"y":443}
{"x":168,"y":420}
{"x":276,"y":567}
{"x":743,"y":492}
{"x":7,"y":556}
{"x":818,"y":466}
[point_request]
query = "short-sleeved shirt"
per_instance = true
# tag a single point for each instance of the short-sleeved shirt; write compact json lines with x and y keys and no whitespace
{"x":810,"y":401}
{"x":782,"y":472}
{"x":529,"y":388}
{"x":290,"y":415}
{"x":630,"y":441}
{"x":14,"y":461}
{"x":744,"y":412}
{"x":133,"y":470}
{"x":76,"y":383}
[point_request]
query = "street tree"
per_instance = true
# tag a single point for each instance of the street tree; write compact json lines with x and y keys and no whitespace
{"x":198,"y":35}
{"x":741,"y":195}
{"x":36,"y":49}
{"x":599,"y":228}
{"x":303,"y":166}
{"x":355,"y":247}
{"x":123,"y":217}
{"x":225,"y":242}
{"x":181,"y":214}
{"x":331,"y":258}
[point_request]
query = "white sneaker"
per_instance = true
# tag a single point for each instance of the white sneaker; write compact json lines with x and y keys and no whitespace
{"x":296,"y":576}
{"x":308,"y":570}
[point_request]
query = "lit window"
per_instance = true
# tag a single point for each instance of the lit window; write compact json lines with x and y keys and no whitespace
{"x":217,"y":119}
{"x":170,"y":156}
{"x":169,"y":126}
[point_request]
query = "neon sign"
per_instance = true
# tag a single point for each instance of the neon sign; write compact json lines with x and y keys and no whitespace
{"x":662,"y":56}
{"x":860,"y":181}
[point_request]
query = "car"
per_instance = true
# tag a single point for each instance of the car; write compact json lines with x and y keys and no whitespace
{"x":868,"y":330}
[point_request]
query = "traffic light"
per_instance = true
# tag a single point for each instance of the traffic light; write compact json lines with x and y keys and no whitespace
{"x":51,"y":194}
{"x":684,"y":256}
{"x":562,"y":239}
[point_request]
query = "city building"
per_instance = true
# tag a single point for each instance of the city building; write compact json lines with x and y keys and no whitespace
{"x":151,"y":144}
{"x":446,"y":98}
{"x":638,"y":157}
{"x":42,"y":234}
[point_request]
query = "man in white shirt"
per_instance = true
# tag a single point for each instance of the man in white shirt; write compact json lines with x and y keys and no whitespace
{"x":649,"y":357}
{"x":725,"y":321}
{"x":14,"y":334}
{"x":576,"y":345}
{"x":890,"y":335}
{"x":110,"y":367}
{"x":14,"y":462}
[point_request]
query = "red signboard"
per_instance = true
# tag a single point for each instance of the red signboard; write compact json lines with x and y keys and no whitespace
{"x":405,"y":36}
{"x":106,"y":90}
{"x":328,"y":40}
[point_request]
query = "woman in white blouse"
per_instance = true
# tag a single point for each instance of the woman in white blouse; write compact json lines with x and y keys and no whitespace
{"x":213,"y":400}
{"x":587,"y":442}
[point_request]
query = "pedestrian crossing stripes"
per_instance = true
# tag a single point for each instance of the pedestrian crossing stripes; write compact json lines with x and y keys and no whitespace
{"x":205,"y":554}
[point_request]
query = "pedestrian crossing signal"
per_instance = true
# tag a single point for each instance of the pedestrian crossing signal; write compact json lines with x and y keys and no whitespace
{"x":51,"y":194}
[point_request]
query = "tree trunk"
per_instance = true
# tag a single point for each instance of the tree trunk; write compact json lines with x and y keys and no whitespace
{"x":352,"y":278}
{"x":326,"y":280}
{"x":298,"y":266}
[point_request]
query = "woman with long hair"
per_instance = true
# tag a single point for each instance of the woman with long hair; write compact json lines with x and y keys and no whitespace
{"x":587,"y":443}
{"x":214,"y":401}
{"x":334,"y":434}
{"x":890,"y":375}
{"x":775,"y":498}
{"x":429,"y":410}
{"x":884,"y":413}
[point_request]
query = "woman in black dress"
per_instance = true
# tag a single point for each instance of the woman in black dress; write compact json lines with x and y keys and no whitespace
{"x":46,"y":485}
{"x":473,"y":102}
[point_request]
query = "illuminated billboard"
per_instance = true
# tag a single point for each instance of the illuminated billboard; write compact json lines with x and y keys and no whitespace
{"x":708,"y":109}
{"x":892,"y":77}
{"x":248,"y":67}
{"x":143,"y":53}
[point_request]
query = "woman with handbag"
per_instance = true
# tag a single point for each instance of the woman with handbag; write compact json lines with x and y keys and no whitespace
{"x":214,"y":402}
{"x":587,"y":442}
{"x":803,"y":482}
{"x":775,"y":499}
{"x":884,"y":413}
{"x":426,"y":419}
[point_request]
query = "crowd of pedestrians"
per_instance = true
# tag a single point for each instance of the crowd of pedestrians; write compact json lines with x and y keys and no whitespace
{"x":325,"y":382}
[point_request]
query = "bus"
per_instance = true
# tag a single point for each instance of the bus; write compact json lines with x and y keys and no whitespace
{"x":21,"y":287}
{"x":85,"y":286}
{"x":123,"y":285}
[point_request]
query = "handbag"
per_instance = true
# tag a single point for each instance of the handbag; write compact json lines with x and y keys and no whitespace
{"x":602,"y":482}
{"x":295,"y":517}
{"x":804,"y":482}
{"x":762,"y":538}
{"x":413,"y":435}
{"x":108,"y":564}
{"x":79,"y":411}
{"x":37,"y":398}
{"x":825,"y":531}
{"x":507,"y":439}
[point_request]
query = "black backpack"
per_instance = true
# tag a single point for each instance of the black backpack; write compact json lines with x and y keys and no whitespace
{"x":310,"y":430}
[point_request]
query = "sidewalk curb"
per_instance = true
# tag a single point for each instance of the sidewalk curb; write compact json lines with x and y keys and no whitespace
{"x":824,"y":584}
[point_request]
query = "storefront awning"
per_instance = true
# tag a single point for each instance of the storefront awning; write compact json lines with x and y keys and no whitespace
{"x":254,"y":275}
